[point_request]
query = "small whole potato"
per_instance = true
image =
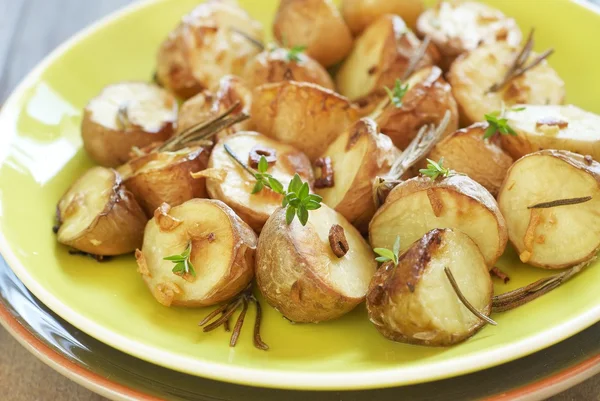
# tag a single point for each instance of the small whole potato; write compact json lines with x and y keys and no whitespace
{"x":99,"y":216}
{"x":414,"y":301}
{"x":215,"y":39}
{"x":298,"y":272}
{"x":358,"y":14}
{"x":281,"y":65}
{"x":465,"y":151}
{"x":125,"y":115}
{"x":220,"y":248}
{"x":315,"y":24}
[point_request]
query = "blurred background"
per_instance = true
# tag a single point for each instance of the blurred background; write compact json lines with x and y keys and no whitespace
{"x":29,"y":30}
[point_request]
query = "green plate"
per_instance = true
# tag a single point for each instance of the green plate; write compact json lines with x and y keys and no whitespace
{"x":40,"y":149}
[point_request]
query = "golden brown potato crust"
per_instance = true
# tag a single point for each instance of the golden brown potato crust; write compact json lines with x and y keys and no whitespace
{"x":358,"y":14}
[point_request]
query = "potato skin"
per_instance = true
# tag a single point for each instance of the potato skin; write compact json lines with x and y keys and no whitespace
{"x":467,"y":152}
{"x":117,"y":230}
{"x":293,"y":288}
{"x":273,"y":66}
{"x":240,"y":271}
{"x":316,"y":24}
{"x":170,"y":183}
{"x":393,"y":286}
{"x":426,"y":102}
{"x":204,"y":38}
{"x":359,"y":14}
{"x":301,"y":114}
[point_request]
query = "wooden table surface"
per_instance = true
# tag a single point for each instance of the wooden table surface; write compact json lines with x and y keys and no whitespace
{"x":29,"y":30}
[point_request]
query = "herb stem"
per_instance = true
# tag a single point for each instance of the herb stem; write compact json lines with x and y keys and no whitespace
{"x":235,"y":157}
{"x":560,"y":202}
{"x":464,"y":300}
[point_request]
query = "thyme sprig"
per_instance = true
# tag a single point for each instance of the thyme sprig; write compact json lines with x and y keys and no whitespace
{"x":498,"y":123}
{"x":183,"y":264}
{"x":435,"y":169}
{"x":387,"y":255}
{"x":294,"y":53}
{"x":397,"y":93}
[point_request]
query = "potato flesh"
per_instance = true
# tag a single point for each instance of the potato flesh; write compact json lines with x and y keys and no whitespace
{"x":472,"y":76}
{"x":564,"y":235}
{"x":148,"y":106}
{"x":412,"y":216}
{"x":86,"y":199}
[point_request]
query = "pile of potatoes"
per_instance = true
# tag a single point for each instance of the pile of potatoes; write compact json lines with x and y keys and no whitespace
{"x":411,"y":84}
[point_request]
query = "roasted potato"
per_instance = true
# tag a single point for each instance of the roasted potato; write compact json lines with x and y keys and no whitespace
{"x":164,"y":177}
{"x":221,"y":251}
{"x":426,"y":101}
{"x":348,"y":168}
{"x":457,"y":27}
{"x":315,"y":24}
{"x":298,"y":272}
{"x":279,"y":64}
{"x":414,"y":301}
{"x":380,"y":56}
{"x":97,"y":215}
{"x":359,"y":14}
{"x":227,"y":181}
{"x":546,"y":230}
{"x":473,"y":74}
{"x":209,"y":104}
{"x":465,"y":151}
{"x":303,"y":115}
{"x":421,"y":204}
{"x":125,"y":115}
{"x":215,"y":39}
{"x":552,"y":127}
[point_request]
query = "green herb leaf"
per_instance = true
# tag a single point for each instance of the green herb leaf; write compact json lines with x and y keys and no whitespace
{"x":385,"y":255}
{"x":276,"y":185}
{"x":518,"y":109}
{"x":257,"y":187}
{"x":294,"y":53}
{"x":295,"y":184}
{"x":302,"y":215}
{"x":315,"y":198}
{"x":397,"y":93}
{"x":497,"y":124}
{"x":303,"y":193}
{"x":397,"y":246}
{"x":435,"y":170}
{"x":289,"y":214}
{"x":312,"y":205}
{"x":183,"y":265}
{"x":263,"y":165}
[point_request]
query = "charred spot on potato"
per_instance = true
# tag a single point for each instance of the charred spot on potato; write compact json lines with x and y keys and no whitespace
{"x":326,"y":179}
{"x":337,"y":241}
{"x":211,"y":237}
{"x":259,"y":151}
{"x":372,"y":70}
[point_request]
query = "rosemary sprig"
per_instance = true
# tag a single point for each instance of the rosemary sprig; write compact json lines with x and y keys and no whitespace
{"x":435,"y":169}
{"x":259,"y":45}
{"x":293,"y":54}
{"x":497,"y":123}
{"x":560,"y":202}
{"x":297,"y":199}
{"x":416,"y":58}
{"x":183,"y":264}
{"x":464,"y":300}
{"x":519,"y":65}
{"x":397,"y":93}
{"x":386,"y":255}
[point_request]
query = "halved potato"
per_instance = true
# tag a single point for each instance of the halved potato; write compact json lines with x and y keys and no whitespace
{"x":306,"y":116}
{"x":361,"y":13}
{"x":125,"y":115}
{"x":164,"y":177}
{"x":420,"y":204}
{"x":316,"y":24}
{"x":222,"y":253}
{"x":473,"y":74}
{"x":465,"y":151}
{"x":552,"y":127}
{"x":215,"y":39}
{"x":299,"y":274}
{"x":275,"y":66}
{"x":414,"y":301}
{"x":97,"y":215}
{"x":457,"y":27}
{"x":380,"y":56}
{"x":207,"y":105}
{"x":427,"y":100}
{"x":559,"y":236}
{"x":227,"y":181}
{"x":357,"y":156}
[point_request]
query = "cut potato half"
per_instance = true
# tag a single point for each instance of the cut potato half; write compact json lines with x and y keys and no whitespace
{"x":420,"y":204}
{"x":299,"y":274}
{"x":559,"y":236}
{"x":414,"y":301}
{"x":222,"y":253}
{"x":97,"y":215}
{"x":475,"y":73}
{"x":357,"y":157}
{"x":461,"y":26}
{"x":306,"y":116}
{"x":552,"y":127}
{"x":226,"y":180}
{"x":125,"y":115}
{"x":380,"y":55}
{"x":465,"y":151}
{"x":359,"y":14}
{"x":215,"y":39}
